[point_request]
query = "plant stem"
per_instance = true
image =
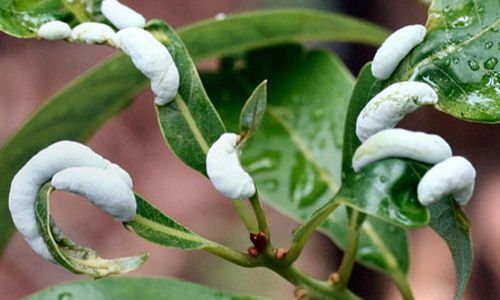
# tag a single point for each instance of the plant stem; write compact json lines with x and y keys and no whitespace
{"x":403,"y":285}
{"x":302,"y":234}
{"x":261,"y":216}
{"x":233,"y":256}
{"x":351,"y":250}
{"x":245,"y":215}
{"x":315,"y":289}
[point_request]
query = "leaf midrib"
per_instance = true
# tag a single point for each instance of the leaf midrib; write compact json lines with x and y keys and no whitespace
{"x":446,"y":51}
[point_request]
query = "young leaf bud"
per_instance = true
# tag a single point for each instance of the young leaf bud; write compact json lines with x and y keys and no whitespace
{"x":427,"y":148}
{"x":395,"y":48}
{"x":391,"y":105}
{"x":225,"y":171}
{"x":121,"y":15}
{"x":454,"y":176}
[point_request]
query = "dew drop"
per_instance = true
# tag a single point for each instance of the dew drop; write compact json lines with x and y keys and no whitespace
{"x":447,"y":62}
{"x":488,"y":45}
{"x":490,"y":63}
{"x":383,"y":179}
{"x":474,"y":66}
{"x":65,"y":296}
{"x":456,"y":60}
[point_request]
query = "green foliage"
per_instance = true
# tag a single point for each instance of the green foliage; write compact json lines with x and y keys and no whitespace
{"x":452,"y":225}
{"x":190,"y":123}
{"x":76,"y":258}
{"x":22,"y":18}
{"x":135,"y":288}
{"x":151,"y":224}
{"x":459,"y":58}
{"x":84,"y":105}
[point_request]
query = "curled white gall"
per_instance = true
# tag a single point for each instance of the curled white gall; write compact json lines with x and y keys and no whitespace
{"x":401,"y":143}
{"x":152,"y":59}
{"x":93,"y":33}
{"x":225,"y":171}
{"x":391,"y":105}
{"x":40,"y":169}
{"x":454,"y":176}
{"x":395,"y":48}
{"x":102,"y":187}
{"x":121,"y":15}
{"x":54,"y":30}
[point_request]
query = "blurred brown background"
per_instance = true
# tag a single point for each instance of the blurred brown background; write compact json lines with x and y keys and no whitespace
{"x":31,"y":71}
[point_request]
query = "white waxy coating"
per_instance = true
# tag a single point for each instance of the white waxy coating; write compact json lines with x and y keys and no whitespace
{"x":54,"y":30}
{"x":121,"y":15}
{"x":37,"y":171}
{"x":225,"y":171}
{"x":121,"y":173}
{"x":102,"y":187}
{"x":401,"y":143}
{"x":93,"y":33}
{"x":454,"y":176}
{"x":391,"y":105}
{"x":395,"y":48}
{"x":152,"y":59}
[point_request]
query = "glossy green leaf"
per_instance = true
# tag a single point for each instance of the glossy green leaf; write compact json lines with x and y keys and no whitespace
{"x":104,"y":91}
{"x":459,"y":58}
{"x":22,"y":18}
{"x":387,"y":189}
{"x":73,"y":257}
{"x":189,"y":123}
{"x":449,"y":221}
{"x":253,"y":111}
{"x":126,"y":288}
{"x":239,"y":33}
{"x":151,"y":224}
{"x":385,"y":243}
{"x":73,"y":114}
{"x":295,"y":155}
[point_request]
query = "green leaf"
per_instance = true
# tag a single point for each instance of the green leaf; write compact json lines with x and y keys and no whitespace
{"x":239,"y":33}
{"x":22,"y":18}
{"x":449,"y":221}
{"x":253,"y":111}
{"x":294,"y":157}
{"x":151,"y":224}
{"x":73,"y":257}
{"x":190,"y":123}
{"x":104,"y":91}
{"x":459,"y":58}
{"x":385,"y":243}
{"x":388,"y":190}
{"x":73,"y":114}
{"x":135,"y":288}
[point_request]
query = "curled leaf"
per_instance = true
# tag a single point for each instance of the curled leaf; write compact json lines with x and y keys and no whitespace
{"x":73,"y":257}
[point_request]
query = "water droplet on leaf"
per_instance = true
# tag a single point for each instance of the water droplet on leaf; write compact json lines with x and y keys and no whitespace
{"x":474,"y":66}
{"x":65,"y":296}
{"x":490,"y":63}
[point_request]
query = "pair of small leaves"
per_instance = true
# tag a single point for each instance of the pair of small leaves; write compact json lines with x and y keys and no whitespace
{"x":190,"y":123}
